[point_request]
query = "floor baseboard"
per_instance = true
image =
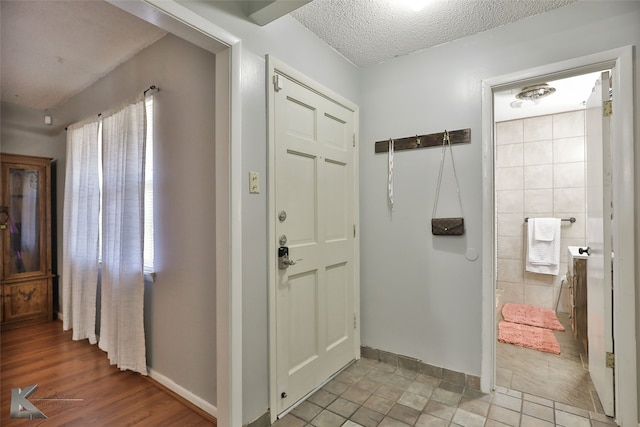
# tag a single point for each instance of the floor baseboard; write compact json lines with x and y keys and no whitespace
{"x":410,"y":363}
{"x":183,"y":394}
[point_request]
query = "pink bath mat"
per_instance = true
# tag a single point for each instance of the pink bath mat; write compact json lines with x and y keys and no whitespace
{"x":528,"y":336}
{"x":532,"y":316}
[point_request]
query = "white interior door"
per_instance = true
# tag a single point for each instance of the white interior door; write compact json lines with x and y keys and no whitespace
{"x":599,"y":215}
{"x":315,"y":209}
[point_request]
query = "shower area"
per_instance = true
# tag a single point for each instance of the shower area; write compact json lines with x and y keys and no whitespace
{"x":540,"y":172}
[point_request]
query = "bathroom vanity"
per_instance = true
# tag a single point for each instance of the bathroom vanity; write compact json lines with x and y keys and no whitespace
{"x":577,"y":282}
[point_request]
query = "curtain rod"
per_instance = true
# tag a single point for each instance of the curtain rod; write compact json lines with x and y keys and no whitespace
{"x":152,"y":87}
{"x":144,"y":93}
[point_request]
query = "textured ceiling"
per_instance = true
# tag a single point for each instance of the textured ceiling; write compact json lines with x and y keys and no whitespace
{"x":52,"y":50}
{"x":368,"y":32}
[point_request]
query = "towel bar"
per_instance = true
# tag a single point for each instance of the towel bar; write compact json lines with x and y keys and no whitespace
{"x":571,"y":220}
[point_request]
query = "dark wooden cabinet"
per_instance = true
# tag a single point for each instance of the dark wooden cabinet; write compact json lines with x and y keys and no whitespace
{"x":26,"y":276}
{"x":577,"y":279}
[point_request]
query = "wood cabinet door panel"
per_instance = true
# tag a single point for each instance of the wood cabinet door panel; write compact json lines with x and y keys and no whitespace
{"x":26,"y":300}
{"x":26,"y":236}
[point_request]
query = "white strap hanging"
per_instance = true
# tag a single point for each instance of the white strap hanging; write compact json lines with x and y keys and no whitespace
{"x":446,"y":141}
{"x":390,"y":178}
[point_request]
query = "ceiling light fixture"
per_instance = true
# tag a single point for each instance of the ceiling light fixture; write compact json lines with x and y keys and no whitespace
{"x":535,"y":92}
{"x":416,"y":5}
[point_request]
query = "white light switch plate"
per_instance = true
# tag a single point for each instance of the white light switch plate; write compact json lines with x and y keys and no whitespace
{"x":254,"y":183}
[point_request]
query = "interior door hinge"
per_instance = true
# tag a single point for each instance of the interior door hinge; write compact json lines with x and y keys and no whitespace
{"x":354,"y":231}
{"x":611,"y":360}
{"x":355,"y":321}
{"x":354,"y":139}
{"x":607,"y":108}
{"x":277,"y":83}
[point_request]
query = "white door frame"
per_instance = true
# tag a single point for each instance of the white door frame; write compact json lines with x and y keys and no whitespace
{"x":177,"y":19}
{"x":274,"y":65}
{"x":622,"y":127}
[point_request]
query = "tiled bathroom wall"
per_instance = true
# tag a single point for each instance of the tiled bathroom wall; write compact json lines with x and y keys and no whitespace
{"x":539,"y":172}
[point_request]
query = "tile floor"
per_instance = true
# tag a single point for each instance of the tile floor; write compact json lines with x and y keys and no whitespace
{"x":370,"y":393}
{"x":563,"y":377}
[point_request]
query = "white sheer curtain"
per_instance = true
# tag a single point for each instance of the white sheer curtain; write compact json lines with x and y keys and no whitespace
{"x":121,"y":313}
{"x":80,"y":232}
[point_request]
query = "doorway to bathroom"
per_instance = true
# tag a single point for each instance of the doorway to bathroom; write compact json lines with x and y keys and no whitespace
{"x":620,"y":62}
{"x":541,"y":172}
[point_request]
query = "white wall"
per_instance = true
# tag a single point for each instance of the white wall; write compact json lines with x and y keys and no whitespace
{"x":290,"y":42}
{"x":420,"y":296}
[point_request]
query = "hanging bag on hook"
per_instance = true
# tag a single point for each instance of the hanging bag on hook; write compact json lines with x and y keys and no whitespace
{"x":447,"y":226}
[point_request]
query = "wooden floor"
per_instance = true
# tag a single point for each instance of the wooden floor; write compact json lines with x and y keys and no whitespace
{"x":563,"y":377}
{"x":78,"y":387}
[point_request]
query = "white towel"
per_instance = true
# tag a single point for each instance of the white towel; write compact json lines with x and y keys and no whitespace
{"x":544,"y":229}
{"x":543,"y":255}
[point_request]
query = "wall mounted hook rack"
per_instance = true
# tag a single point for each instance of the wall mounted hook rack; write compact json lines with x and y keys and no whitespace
{"x":461,"y":136}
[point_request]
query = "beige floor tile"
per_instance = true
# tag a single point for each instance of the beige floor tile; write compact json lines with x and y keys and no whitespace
{"x":468,"y":419}
{"x":476,"y":406}
{"x":404,"y":413}
{"x":528,"y":421}
{"x":537,"y":411}
{"x":328,"y":419}
{"x":566,"y":419}
{"x":504,"y":415}
{"x":391,"y":422}
{"x":379,"y":404}
{"x":413,"y":400}
{"x":427,"y":420}
{"x":367,"y":417}
{"x":440,"y":410}
{"x":375,"y":394}
{"x":356,"y":395}
{"x":290,"y":421}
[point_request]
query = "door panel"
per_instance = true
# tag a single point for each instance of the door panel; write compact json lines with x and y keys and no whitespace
{"x":335,"y":184}
{"x":24,"y":239}
{"x":336,"y":131}
{"x":26,"y":300}
{"x":315,"y":186}
{"x":303,"y":318}
{"x":303,"y":119}
{"x":337,"y":297}
{"x":599,"y":210}
{"x":299,"y":174}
